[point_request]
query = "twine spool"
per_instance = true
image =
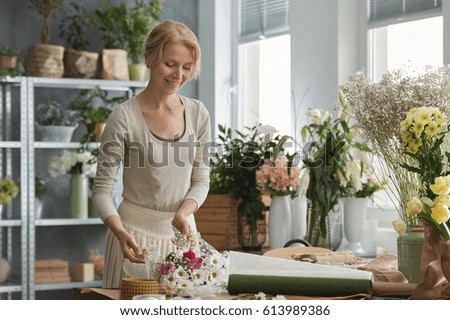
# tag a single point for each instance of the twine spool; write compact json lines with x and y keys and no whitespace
{"x":130,"y":287}
{"x":45,"y":60}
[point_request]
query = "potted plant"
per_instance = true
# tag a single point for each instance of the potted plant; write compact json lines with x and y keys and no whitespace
{"x":92,"y":116}
{"x":8,"y":191}
{"x":78,"y":63}
{"x":233,"y":172}
{"x":124,"y":28}
{"x":54,"y":122}
{"x":45,"y":60}
{"x":11,"y":62}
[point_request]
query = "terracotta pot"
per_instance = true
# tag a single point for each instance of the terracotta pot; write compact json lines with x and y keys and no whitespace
{"x":9,"y":62}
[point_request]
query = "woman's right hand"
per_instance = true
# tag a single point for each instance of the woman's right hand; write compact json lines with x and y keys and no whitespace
{"x":130,"y":249}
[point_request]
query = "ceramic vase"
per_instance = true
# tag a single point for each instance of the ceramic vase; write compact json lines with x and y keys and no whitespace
{"x":444,"y":250}
{"x":279,"y":221}
{"x":79,"y":186}
{"x":355,"y":212}
{"x":299,"y":209}
{"x":409,"y":252}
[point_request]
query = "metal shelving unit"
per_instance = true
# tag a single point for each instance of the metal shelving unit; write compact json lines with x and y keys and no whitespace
{"x":8,"y":224}
{"x":130,"y":87}
{"x":27,"y":147}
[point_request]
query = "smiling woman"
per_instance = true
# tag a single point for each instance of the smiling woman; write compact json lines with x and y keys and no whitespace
{"x":171,"y":129}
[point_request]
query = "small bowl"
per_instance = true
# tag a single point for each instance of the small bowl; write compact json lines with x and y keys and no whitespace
{"x":150,"y":296}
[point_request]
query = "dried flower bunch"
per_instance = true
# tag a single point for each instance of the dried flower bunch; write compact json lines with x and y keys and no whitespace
{"x":380,"y":107}
{"x":8,"y":190}
{"x":423,"y":132}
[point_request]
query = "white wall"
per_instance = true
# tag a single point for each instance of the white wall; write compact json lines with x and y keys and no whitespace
{"x":215,"y":37}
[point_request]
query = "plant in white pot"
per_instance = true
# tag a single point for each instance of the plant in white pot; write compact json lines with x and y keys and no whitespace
{"x":54,"y":122}
{"x":45,"y":60}
{"x":11,"y":62}
{"x":78,"y":63}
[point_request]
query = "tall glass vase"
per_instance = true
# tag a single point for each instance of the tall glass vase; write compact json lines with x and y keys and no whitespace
{"x":318,"y":229}
{"x":280,"y":221}
{"x":79,"y":187}
{"x":251,"y":235}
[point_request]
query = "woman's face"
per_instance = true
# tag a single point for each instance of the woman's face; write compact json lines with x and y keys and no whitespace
{"x":174,"y":69}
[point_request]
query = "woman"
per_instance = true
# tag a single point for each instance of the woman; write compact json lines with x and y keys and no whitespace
{"x":159,"y":137}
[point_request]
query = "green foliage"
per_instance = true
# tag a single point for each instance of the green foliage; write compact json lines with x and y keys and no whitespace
{"x":233,"y":168}
{"x":126,"y":27}
{"x":73,"y":28}
{"x":39,"y":187}
{"x":8,"y":190}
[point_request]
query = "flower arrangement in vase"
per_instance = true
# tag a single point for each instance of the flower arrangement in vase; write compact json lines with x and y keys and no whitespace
{"x":280,"y":179}
{"x":80,"y":165}
{"x":233,"y":171}
{"x":327,"y":151}
{"x":380,"y":107}
{"x":424,"y":138}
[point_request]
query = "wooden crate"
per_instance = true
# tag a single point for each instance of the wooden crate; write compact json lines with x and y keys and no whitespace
{"x":217,"y":221}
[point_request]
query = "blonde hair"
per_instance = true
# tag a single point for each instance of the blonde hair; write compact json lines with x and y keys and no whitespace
{"x":171,"y":31}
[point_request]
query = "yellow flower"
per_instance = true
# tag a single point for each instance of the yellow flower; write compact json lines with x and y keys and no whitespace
{"x":440,"y":213}
{"x":441,"y":186}
{"x":414,"y":207}
{"x":418,"y":127}
{"x":412,"y":148}
{"x":428,"y":201}
{"x":399,"y":226}
{"x":440,"y":117}
{"x":431,"y":129}
{"x":406,"y":137}
{"x":423,"y":116}
{"x":445,"y":200}
{"x":404,"y":125}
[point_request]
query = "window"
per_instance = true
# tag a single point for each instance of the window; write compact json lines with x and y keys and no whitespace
{"x":410,"y":45}
{"x":265,"y":85}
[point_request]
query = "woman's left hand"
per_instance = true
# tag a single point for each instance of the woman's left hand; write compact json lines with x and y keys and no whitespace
{"x":180,"y":222}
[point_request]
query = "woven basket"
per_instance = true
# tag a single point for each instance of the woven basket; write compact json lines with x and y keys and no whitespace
{"x":80,"y":64}
{"x":130,"y":287}
{"x":45,"y":60}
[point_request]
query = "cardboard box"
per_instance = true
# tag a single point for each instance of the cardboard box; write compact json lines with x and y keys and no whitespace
{"x":83,"y":272}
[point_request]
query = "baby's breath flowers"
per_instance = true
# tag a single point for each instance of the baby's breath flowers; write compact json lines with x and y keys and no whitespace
{"x":380,"y":107}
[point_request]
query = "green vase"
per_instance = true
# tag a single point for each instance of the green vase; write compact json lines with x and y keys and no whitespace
{"x":79,"y":186}
{"x":92,"y":212}
{"x":409,"y":252}
{"x":136,"y":71}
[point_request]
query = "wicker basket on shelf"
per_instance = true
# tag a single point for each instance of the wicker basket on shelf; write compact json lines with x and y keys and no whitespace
{"x":45,"y":60}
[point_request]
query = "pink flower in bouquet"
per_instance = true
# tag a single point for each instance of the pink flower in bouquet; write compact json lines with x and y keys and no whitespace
{"x":166,"y":268}
{"x":195,"y":263}
{"x":189,"y":255}
{"x":277,"y":178}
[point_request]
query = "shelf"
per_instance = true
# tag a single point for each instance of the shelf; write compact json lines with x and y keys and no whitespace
{"x":10,"y":144}
{"x":9,"y":80}
{"x":66,"y":83}
{"x":63,"y":145}
{"x":10,"y":223}
{"x":9,"y":286}
{"x":68,"y":222}
{"x":67,"y":285}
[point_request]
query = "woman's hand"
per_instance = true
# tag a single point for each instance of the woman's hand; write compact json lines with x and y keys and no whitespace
{"x":180,"y":222}
{"x":130,"y":249}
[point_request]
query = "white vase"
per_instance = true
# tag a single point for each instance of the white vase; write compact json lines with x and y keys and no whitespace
{"x":54,"y":133}
{"x":37,"y":208}
{"x":280,"y":221}
{"x":299,"y":210}
{"x":355,"y":212}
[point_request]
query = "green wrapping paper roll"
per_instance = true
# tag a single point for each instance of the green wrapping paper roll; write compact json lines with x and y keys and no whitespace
{"x":300,"y":286}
